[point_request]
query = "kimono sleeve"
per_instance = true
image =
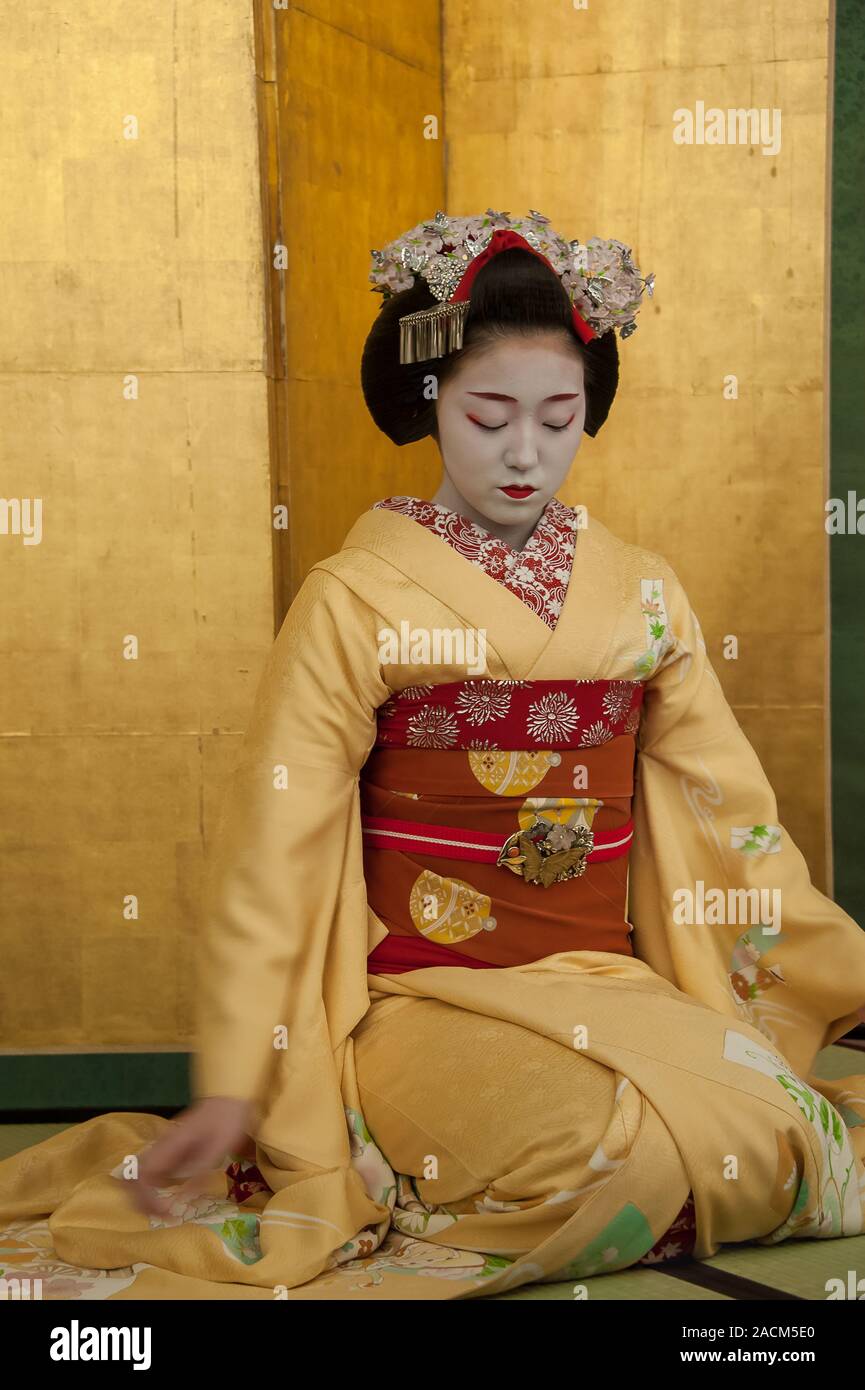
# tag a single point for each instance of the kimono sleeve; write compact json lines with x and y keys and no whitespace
{"x":289,"y":838}
{"x":785,"y":957}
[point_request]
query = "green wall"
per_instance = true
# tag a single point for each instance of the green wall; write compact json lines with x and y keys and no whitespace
{"x":847,"y":458}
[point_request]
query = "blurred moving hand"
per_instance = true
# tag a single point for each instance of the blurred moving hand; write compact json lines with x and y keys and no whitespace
{"x":199,"y":1140}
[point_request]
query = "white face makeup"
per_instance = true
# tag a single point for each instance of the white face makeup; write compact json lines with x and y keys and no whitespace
{"x":510,"y":422}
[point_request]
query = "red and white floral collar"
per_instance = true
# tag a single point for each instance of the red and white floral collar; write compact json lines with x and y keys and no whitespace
{"x":538,"y":575}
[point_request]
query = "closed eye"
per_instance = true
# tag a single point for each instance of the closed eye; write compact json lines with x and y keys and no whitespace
{"x":482,"y":426}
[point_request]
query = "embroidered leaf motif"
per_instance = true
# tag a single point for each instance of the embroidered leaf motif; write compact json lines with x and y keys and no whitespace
{"x":803,"y":1095}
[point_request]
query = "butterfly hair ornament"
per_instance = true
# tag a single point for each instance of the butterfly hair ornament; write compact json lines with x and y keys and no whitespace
{"x":603,"y":284}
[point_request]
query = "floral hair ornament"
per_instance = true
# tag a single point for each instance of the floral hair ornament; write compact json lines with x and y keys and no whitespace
{"x":603,"y":284}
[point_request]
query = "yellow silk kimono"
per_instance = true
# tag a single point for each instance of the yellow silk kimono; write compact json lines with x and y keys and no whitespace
{"x":710,"y":1031}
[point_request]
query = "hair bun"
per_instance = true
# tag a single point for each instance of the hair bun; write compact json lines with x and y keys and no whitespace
{"x":515,"y":293}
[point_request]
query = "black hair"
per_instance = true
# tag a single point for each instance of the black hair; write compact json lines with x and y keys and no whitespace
{"x":514,"y":293}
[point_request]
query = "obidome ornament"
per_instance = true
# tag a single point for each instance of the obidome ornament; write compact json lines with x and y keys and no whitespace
{"x":604,"y":285}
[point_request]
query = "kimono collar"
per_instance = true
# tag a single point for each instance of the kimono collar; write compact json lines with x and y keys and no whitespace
{"x":524,"y":642}
{"x":538,"y":574}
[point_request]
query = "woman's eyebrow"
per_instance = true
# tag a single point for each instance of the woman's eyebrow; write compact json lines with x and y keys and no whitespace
{"x":497,"y":396}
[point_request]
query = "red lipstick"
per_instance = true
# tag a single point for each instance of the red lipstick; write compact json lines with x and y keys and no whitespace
{"x":518,"y":492}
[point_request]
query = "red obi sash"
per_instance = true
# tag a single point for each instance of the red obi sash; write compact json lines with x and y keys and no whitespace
{"x":496,"y":821}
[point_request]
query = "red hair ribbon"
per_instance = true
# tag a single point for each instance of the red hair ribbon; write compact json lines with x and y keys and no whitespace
{"x":503,"y":240}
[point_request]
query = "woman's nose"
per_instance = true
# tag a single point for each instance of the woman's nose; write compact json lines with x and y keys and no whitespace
{"x":524,"y":451}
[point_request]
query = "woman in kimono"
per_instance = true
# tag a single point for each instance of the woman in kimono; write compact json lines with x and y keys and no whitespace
{"x":509,"y":973}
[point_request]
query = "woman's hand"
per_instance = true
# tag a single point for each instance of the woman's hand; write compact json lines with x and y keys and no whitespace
{"x":199,"y":1140}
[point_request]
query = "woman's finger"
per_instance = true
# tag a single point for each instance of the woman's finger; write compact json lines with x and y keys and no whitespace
{"x":159,"y":1162}
{"x":157,"y":1167}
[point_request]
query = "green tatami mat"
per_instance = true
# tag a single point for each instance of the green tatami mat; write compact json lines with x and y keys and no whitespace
{"x":799,"y":1267}
{"x":14,"y":1138}
{"x":837,"y":1061}
{"x":631,"y":1286}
